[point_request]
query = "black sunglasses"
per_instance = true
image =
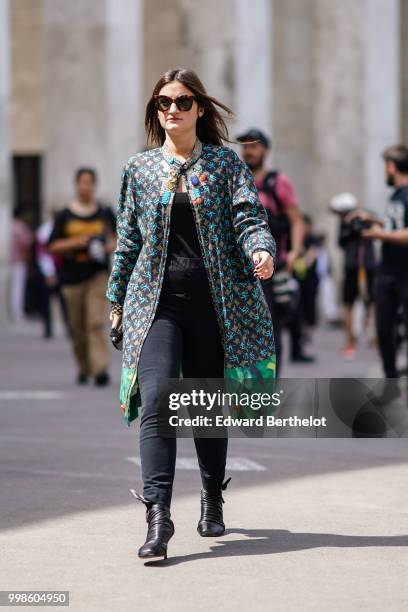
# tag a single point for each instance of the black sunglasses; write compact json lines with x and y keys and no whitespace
{"x":183,"y":103}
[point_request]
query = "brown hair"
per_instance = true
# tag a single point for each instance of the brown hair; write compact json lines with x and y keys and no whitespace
{"x":398,"y":154}
{"x":210,"y":128}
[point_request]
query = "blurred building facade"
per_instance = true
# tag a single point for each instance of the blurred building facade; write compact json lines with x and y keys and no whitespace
{"x":327,"y":79}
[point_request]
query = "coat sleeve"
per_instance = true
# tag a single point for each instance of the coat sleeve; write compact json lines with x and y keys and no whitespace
{"x":129,"y":240}
{"x":249,"y":217}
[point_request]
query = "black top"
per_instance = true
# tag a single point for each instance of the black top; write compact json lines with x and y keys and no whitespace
{"x":356,"y":249}
{"x":394,"y":259}
{"x":80,"y":265}
{"x":183,"y":239}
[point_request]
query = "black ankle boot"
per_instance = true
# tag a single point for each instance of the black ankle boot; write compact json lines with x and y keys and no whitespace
{"x":211,"y":523}
{"x":159,"y":531}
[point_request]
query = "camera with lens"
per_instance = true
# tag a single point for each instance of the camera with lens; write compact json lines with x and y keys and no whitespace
{"x":344,"y":203}
{"x":357,"y":225}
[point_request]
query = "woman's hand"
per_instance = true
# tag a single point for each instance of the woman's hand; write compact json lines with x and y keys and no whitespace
{"x":116,"y":333}
{"x":65,"y":245}
{"x":116,"y":320}
{"x":264,"y":267}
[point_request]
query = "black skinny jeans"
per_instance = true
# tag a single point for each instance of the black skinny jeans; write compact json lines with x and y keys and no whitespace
{"x":184,"y":332}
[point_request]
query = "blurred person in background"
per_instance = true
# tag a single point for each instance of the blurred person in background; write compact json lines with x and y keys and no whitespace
{"x":84,"y":234}
{"x":328,"y":303}
{"x":305,"y":271}
{"x":358,"y":265}
{"x":279,"y":198}
{"x":48,"y":277}
{"x":20,"y":243}
{"x":391,"y":284}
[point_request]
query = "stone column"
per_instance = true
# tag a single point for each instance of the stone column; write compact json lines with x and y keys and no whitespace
{"x":208,"y":31}
{"x":339,"y":130}
{"x":94,"y":92}
{"x":5,"y":166}
{"x":234,"y":65}
{"x":382,"y":94}
{"x":76,"y":130}
{"x":336,"y":100}
{"x":339,"y":114}
{"x":27,"y":121}
{"x":166,"y":40}
{"x":253,"y":43}
{"x":336,"y":95}
{"x":124,"y":127}
{"x":294,"y":94}
{"x":357,"y":101}
{"x":190,"y":36}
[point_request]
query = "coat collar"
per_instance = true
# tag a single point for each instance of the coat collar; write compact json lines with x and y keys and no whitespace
{"x":176,"y":163}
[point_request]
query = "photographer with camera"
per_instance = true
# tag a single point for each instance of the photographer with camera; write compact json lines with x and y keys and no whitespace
{"x":391,"y":285}
{"x":359,"y":263}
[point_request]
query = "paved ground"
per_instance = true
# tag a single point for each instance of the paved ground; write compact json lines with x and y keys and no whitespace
{"x":311,"y":523}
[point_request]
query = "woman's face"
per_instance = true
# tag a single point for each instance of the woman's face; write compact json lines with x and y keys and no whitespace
{"x":173,"y":120}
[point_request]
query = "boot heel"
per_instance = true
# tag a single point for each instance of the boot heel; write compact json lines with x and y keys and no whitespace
{"x":159,"y":557}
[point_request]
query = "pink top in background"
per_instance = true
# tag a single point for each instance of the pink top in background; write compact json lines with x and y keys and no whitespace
{"x":284,"y":190}
{"x":288,"y":196}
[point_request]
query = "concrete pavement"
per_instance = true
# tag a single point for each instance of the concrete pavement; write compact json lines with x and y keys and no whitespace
{"x":311,"y":523}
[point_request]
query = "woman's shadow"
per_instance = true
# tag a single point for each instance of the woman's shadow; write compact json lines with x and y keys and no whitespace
{"x":274,"y":541}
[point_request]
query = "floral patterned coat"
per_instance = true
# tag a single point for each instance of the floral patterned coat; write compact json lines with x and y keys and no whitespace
{"x":231,"y":225}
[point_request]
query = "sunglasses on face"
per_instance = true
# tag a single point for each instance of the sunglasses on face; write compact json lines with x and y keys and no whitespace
{"x":183,"y":103}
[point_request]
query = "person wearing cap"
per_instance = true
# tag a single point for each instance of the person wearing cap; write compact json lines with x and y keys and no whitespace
{"x":278,"y":196}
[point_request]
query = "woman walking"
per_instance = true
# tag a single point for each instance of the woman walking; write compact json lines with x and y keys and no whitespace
{"x":193,"y":244}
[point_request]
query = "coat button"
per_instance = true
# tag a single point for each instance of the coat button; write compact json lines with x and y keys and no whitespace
{"x":203,"y":178}
{"x":198,"y":200}
{"x":194,"y":180}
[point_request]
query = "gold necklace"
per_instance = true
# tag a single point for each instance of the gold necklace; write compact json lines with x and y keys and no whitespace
{"x":180,"y":158}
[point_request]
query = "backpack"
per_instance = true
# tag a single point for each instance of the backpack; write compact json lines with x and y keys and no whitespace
{"x":278,"y":224}
{"x":284,"y":288}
